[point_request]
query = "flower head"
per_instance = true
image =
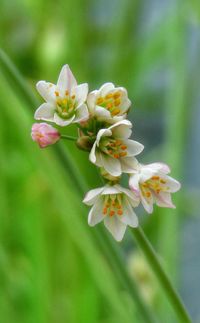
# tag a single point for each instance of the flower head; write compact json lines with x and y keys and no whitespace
{"x":44,"y":134}
{"x":109,"y":103}
{"x":114,"y":151}
{"x":153,"y":185}
{"x":113,"y":205}
{"x":65,"y":101}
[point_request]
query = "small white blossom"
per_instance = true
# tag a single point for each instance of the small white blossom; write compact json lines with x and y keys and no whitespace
{"x":109,"y":103}
{"x":114,"y":151}
{"x":65,"y":101}
{"x":113,"y":205}
{"x":153,"y":185}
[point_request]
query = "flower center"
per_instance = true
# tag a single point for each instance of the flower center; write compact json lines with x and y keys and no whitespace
{"x":111,"y":102}
{"x":155,"y":184}
{"x":113,"y":147}
{"x":66,"y":105}
{"x":113,"y":205}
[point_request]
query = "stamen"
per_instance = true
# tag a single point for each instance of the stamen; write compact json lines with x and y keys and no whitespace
{"x":100,"y":100}
{"x":117,"y":95}
{"x":155,"y":178}
{"x":66,"y":92}
{"x":115,"y":112}
{"x":123,"y":147}
{"x":119,"y":212}
{"x":162,"y":181}
{"x":112,"y":213}
{"x":56,"y":93}
{"x":148,"y":194}
{"x":123,"y":154}
{"x":117,"y":102}
{"x":116,"y":156}
{"x":73,"y":96}
{"x":109,"y":105}
{"x":105,"y":210}
{"x":109,"y":96}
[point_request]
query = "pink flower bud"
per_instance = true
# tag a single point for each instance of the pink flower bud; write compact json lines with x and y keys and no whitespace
{"x":44,"y":134}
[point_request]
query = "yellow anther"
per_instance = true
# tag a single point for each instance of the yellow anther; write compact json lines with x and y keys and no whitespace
{"x":73,"y":96}
{"x":155,"y":178}
{"x":100,"y":100}
{"x":116,"y":155}
{"x":148,"y":194}
{"x":66,"y":92}
{"x":109,"y":96}
{"x":104,"y":210}
{"x":117,"y":102}
{"x":118,"y":142}
{"x":115,"y":112}
{"x":112,"y":213}
{"x":162,"y":181}
{"x":158,"y":191}
{"x":117,"y":95}
{"x":56,"y":93}
{"x":123,"y":147}
{"x":119,"y":212}
{"x":123,"y":154}
{"x":64,"y":101}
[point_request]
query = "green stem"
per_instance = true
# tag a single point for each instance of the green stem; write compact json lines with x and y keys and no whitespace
{"x":68,"y":137}
{"x":161,"y":275}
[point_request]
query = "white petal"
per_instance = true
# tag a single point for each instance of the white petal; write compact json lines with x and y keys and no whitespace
{"x":133,"y":147}
{"x":96,"y":213}
{"x":106,"y":88}
{"x":122,"y":129}
{"x":91,"y":100}
{"x":81,"y":92}
{"x":163,"y":199}
{"x":115,"y":227}
{"x":111,"y":190}
{"x":92,"y":156}
{"x":102,"y":113}
{"x":128,"y":217}
{"x":47,"y":91}
{"x":134,"y":182}
{"x":173,"y":184}
{"x":45,"y":112}
{"x":63,"y":122}
{"x":148,"y":205}
{"x":82,"y":113}
{"x":103,"y":133}
{"x":91,"y":196}
{"x":131,"y":196}
{"x":129,"y":164}
{"x":66,"y":80}
{"x":111,"y":165}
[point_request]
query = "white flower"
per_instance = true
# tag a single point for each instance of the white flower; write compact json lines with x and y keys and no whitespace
{"x":114,"y":151}
{"x":65,"y":101}
{"x":113,"y":205}
{"x":109,"y":103}
{"x":153,"y":185}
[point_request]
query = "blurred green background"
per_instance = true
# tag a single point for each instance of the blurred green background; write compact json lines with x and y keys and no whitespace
{"x":53,"y":267}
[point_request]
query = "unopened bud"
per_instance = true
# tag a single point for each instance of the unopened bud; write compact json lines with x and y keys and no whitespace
{"x":84,"y":143}
{"x":44,"y":134}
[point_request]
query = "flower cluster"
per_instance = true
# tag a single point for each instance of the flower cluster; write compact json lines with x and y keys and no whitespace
{"x":104,"y":131}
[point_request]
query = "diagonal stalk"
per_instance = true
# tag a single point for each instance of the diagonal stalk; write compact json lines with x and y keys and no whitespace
{"x":161,"y":275}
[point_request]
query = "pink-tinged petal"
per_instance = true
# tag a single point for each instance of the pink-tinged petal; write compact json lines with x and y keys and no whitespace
{"x":122,"y":129}
{"x":45,"y":112}
{"x":96,"y":213}
{"x":103,"y":133}
{"x":111,"y":165}
{"x":163,"y":199}
{"x":66,"y":80}
{"x":47,"y":91}
{"x":91,"y":196}
{"x":128,"y":217}
{"x":82,"y":113}
{"x":129,"y":164}
{"x":134,"y":148}
{"x":92,"y":156}
{"x":134,"y":180}
{"x":172,"y":184}
{"x":106,"y":88}
{"x":44,"y":134}
{"x":63,"y":122}
{"x":80,"y":92}
{"x":158,"y":167}
{"x":115,"y":227}
{"x":147,"y":204}
{"x":102,"y":113}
